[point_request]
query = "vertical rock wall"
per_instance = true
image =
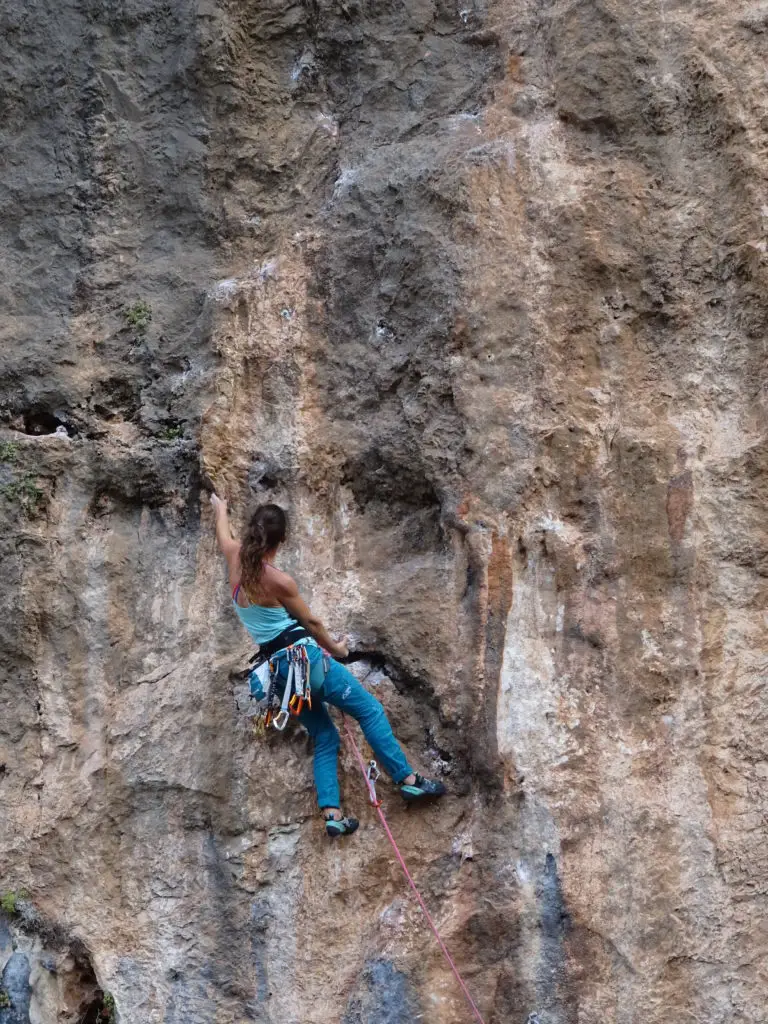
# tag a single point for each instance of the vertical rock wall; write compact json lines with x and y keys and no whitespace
{"x":478,"y":292}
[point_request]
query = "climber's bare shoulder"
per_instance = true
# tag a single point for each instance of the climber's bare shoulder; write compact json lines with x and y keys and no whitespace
{"x":272,"y":586}
{"x":287,"y":593}
{"x":279,"y":583}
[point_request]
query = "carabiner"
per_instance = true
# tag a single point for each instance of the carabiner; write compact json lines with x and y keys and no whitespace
{"x":281,"y":720}
{"x":372,"y":777}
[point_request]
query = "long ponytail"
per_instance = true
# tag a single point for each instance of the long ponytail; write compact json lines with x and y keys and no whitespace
{"x":266,"y":529}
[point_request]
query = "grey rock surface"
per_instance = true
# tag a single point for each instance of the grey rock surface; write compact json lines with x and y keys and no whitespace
{"x":15,"y":986}
{"x":478,"y":292}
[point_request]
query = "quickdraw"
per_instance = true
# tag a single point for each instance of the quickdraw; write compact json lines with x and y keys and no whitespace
{"x":372,"y":777}
{"x":281,"y":703}
{"x":281,"y":718}
{"x":301,"y":683}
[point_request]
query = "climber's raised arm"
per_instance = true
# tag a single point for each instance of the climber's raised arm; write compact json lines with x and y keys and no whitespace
{"x":287,"y":593}
{"x":229,"y":548}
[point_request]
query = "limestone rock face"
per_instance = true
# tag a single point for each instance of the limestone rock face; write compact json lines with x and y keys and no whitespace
{"x":478,"y":292}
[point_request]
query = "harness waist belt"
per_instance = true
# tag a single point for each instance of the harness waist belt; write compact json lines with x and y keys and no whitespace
{"x":285,"y":639}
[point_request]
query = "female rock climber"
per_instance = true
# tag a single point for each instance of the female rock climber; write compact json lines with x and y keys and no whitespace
{"x":269,"y":605}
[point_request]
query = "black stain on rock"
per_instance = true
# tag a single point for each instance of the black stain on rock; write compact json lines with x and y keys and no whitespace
{"x":260,"y":918}
{"x":177,"y":1008}
{"x":384,"y":996}
{"x":190,"y":1002}
{"x":15,"y":983}
{"x":554,"y":918}
{"x":555,"y":923}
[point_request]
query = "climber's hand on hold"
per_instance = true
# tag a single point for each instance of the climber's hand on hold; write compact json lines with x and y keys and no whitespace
{"x":229,"y":547}
{"x":340,"y":650}
{"x":218,"y":503}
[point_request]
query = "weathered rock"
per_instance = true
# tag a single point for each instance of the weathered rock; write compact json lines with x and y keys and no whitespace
{"x":478,"y":292}
{"x":14,"y":1008}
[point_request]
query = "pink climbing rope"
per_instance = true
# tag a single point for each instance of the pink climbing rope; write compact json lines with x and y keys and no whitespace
{"x":404,"y":866}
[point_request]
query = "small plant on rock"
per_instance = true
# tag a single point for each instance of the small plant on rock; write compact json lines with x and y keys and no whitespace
{"x":107,"y":1011}
{"x":5,"y":999}
{"x":9,"y":451}
{"x":9,"y":902}
{"x":138,"y":316}
{"x":171,"y":433}
{"x":23,"y":492}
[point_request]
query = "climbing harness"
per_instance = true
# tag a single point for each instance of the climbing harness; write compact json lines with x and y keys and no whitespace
{"x":296,"y":693}
{"x":370,"y":777}
{"x":287,"y":638}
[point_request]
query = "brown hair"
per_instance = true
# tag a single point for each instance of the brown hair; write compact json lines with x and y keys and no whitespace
{"x":266,"y":529}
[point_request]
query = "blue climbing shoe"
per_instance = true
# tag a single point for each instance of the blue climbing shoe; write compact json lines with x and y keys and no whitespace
{"x":341,"y":827}
{"x":422,"y":789}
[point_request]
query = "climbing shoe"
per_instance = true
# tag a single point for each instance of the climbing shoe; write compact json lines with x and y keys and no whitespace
{"x":341,"y":827}
{"x":422,"y":789}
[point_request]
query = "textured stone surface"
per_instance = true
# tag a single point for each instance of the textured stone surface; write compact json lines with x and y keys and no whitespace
{"x":15,"y":985}
{"x":479,"y":292}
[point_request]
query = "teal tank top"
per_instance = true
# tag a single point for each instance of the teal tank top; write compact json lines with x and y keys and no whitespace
{"x":264,"y":624}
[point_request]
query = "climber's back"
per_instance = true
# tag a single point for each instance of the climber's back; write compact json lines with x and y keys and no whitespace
{"x":267,"y":600}
{"x":263,"y":623}
{"x":258,"y":588}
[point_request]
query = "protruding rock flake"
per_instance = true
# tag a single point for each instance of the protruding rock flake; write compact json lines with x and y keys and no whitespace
{"x":225,"y":289}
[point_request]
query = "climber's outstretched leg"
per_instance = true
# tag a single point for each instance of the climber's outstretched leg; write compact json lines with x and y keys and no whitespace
{"x":341,"y":689}
{"x":318,"y":724}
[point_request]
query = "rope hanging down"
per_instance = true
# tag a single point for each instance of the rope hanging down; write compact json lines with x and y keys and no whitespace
{"x":377,"y":804}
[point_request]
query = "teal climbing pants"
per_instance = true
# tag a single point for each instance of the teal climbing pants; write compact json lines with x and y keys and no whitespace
{"x":340,"y":688}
